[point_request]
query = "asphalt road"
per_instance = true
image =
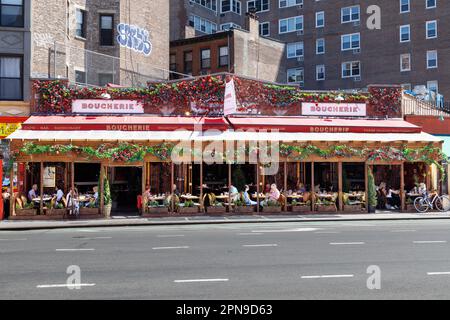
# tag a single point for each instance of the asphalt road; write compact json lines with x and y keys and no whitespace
{"x":323,"y":260}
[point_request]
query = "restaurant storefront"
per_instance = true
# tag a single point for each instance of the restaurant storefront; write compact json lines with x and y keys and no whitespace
{"x":312,"y":155}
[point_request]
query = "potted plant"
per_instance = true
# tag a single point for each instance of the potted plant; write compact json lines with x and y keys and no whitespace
{"x":324,"y":205}
{"x":351,"y":206}
{"x":240,"y":207}
{"x":188,"y":207}
{"x":56,"y":210}
{"x":90,"y":210}
{"x":154,"y":208}
{"x":216,"y":208}
{"x":107,"y":201}
{"x":372,"y":192}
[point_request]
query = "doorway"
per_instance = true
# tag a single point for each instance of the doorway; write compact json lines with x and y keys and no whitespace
{"x":126,"y":186}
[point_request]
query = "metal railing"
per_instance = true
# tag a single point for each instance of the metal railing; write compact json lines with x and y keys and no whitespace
{"x":413,"y":106}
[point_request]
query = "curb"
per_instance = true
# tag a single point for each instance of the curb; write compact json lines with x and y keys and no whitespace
{"x":108,"y":223}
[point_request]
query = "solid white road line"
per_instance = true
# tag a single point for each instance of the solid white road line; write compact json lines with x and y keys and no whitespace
{"x":200,"y":280}
{"x":259,"y":245}
{"x":438,"y":273}
{"x":250,"y":234}
{"x":286,"y":230}
{"x":170,"y":248}
{"x":44,"y":286}
{"x":23,"y":239}
{"x":425,"y":242}
{"x":346,"y":243}
{"x":403,"y":231}
{"x":95,"y":238}
{"x":327,"y":232}
{"x":329,"y":276}
{"x":170,"y":236}
{"x":71,"y":250}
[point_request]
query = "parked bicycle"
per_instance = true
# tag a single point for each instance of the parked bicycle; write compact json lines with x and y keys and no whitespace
{"x":424,"y":203}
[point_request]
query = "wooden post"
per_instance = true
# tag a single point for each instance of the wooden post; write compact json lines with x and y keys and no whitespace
{"x":298,"y":173}
{"x":285,"y":186}
{"x":402,"y":187}
{"x":143,"y":183}
{"x":102,"y":188}
{"x":340,"y":187}
{"x":172,"y":200}
{"x":230,"y":207}
{"x":201,"y":186}
{"x":72,"y":184}
{"x":12,"y":198}
{"x":257,"y":186}
{"x":366,"y":182}
{"x":313,"y":194}
{"x":448,"y":179}
{"x":41,"y":189}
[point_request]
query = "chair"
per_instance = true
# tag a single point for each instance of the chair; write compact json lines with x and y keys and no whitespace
{"x":282,"y":200}
{"x":19,"y":203}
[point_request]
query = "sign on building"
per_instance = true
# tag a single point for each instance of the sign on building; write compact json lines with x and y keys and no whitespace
{"x":334,"y":109}
{"x":230,"y":103}
{"x":107,"y":106}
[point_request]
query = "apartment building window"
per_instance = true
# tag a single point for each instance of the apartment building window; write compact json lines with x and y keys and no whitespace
{"x":11,"y":78}
{"x":350,"y":41}
{"x":80,"y":17}
{"x":431,"y":27}
{"x":433,"y":86}
{"x":351,"y":69}
{"x":350,"y":14}
{"x":295,"y":75}
{"x":230,"y":6}
{"x":405,"y":62}
{"x":320,"y":46}
{"x":223,"y":56}
{"x":264,"y":29}
{"x":432,"y":59}
{"x":320,"y":72}
{"x":291,"y":24}
{"x":431,"y":4}
{"x":258,"y":5}
{"x":320,"y":19}
{"x":229,"y":26}
{"x":105,"y":78}
{"x":80,"y":77}
{"x":290,"y":3}
{"x":209,"y":4}
{"x":106,"y":30}
{"x":187,"y":59}
{"x":404,"y":6}
{"x":202,"y":25}
{"x":173,"y":62}
{"x":11,"y":13}
{"x":295,"y":50}
{"x":405,"y":33}
{"x":205,"y":60}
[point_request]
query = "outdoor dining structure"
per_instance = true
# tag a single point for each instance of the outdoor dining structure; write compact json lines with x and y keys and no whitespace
{"x":169,"y":150}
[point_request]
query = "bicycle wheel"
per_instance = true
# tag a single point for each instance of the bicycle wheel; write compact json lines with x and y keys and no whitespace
{"x":443,"y":203}
{"x":421,"y":205}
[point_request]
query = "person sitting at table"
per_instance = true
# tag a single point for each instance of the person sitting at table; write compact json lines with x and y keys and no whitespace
{"x":175,"y":190}
{"x":393,"y":199}
{"x":72,"y":202}
{"x":381,"y":196}
{"x":59,"y":195}
{"x":94,"y":200}
{"x":273,"y":195}
{"x":234,"y":193}
{"x":247,"y":199}
{"x":267,"y":189}
{"x":317,"y":188}
{"x":423,"y":189}
{"x":300,"y":188}
{"x":33,"y":194}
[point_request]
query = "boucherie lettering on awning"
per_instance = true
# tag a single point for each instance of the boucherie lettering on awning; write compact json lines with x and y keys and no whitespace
{"x":334,"y":109}
{"x":100,"y":106}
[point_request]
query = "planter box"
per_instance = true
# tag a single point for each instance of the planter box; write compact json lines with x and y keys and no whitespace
{"x":353,"y":208}
{"x":272,"y":209}
{"x":216,"y":210}
{"x":188,"y":210}
{"x":157,"y":210}
{"x":326,"y":208}
{"x":56,"y":212}
{"x":89,"y":211}
{"x":26,"y":212}
{"x":300,"y":208}
{"x":244,"y":209}
{"x":410,"y":208}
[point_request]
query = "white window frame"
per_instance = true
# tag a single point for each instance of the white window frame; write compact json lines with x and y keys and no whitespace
{"x":429,"y":52}
{"x":302,"y":70}
{"x":231,"y":7}
{"x":287,"y":21}
{"x":317,"y":72}
{"x":290,"y":5}
{"x":436,"y":29}
{"x":351,"y":42}
{"x":409,"y":33}
{"x":317,"y":14}
{"x":268,"y":6}
{"x":401,"y":62}
{"x":351,"y":19}
{"x":433,"y":7}
{"x":351,"y":69}
{"x":409,"y":6}
{"x":317,"y":46}
{"x":260,"y":26}
{"x":299,"y":43}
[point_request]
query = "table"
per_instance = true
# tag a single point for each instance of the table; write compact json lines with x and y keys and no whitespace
{"x":325,"y":196}
{"x":190,"y":197}
{"x":45,"y":199}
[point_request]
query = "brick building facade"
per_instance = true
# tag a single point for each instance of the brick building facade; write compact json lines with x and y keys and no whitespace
{"x":329,"y":44}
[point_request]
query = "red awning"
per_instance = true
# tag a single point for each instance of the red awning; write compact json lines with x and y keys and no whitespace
{"x":157,"y":123}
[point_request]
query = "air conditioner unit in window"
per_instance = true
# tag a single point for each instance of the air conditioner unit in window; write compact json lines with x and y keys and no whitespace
{"x":357,"y":79}
{"x":301,"y":6}
{"x":301,"y":58}
{"x":356,"y":23}
{"x":300,"y":33}
{"x":356,"y":51}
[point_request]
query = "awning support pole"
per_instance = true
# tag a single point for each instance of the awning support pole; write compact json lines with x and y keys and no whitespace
{"x":285,"y":186}
{"x":366,"y":182}
{"x":402,"y":186}
{"x":340,"y":185}
{"x":313,"y":194}
{"x":41,"y":191}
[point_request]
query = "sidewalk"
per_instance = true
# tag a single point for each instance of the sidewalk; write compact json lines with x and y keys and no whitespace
{"x":119,"y":221}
